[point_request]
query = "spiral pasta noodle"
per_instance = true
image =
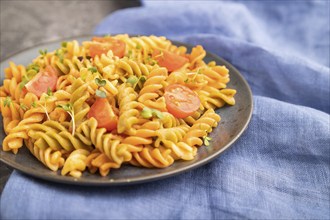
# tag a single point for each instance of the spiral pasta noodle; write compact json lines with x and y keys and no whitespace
{"x":152,"y":157}
{"x":113,"y":101}
{"x":151,"y":93}
{"x":50,"y":158}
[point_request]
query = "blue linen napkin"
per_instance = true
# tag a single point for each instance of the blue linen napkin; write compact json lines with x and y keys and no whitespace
{"x":279,"y":168}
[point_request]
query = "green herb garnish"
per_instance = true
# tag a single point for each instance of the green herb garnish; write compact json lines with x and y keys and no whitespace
{"x":23,"y":83}
{"x":43,"y":52}
{"x":130,"y":53}
{"x":206,"y":140}
{"x":197,"y":73}
{"x":7,"y":101}
{"x":100,"y":94}
{"x":158,"y":114}
{"x":132,"y":80}
{"x":23,"y":106}
{"x":149,"y":112}
{"x":60,"y":55}
{"x":150,"y":61}
{"x":49,"y":92}
{"x":146,"y":113}
{"x":64,"y":44}
{"x":69,"y":109}
{"x":92,"y":69}
{"x":33,"y":66}
{"x":142,"y":79}
{"x":44,"y":107}
{"x":100,"y":82}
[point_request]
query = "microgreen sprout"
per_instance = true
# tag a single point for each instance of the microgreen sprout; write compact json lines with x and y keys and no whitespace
{"x":158,"y":114}
{"x":34,"y":104}
{"x":206,"y":140}
{"x":197,"y":73}
{"x":69,"y":109}
{"x":23,"y":106}
{"x":100,"y":82}
{"x":23,"y":83}
{"x":60,"y":55}
{"x":92,"y":69}
{"x":49,"y":92}
{"x":149,"y":112}
{"x":130,"y":53}
{"x":57,"y":53}
{"x":146,"y":113}
{"x":44,"y":107}
{"x":138,"y":47}
{"x":7,"y":102}
{"x":133,"y":80}
{"x":150,"y":61}
{"x":43,"y":52}
{"x":142,"y":79}
{"x":100,"y":94}
{"x":33,"y":66}
{"x":64,"y":44}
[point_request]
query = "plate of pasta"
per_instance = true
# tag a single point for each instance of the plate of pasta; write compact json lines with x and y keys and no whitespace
{"x":118,"y":109}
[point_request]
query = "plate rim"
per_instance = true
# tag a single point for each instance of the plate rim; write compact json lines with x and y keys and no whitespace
{"x":135,"y":180}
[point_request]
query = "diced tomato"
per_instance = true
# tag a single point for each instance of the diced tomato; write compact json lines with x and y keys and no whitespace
{"x":104,"y":44}
{"x":40,"y":83}
{"x":181,"y":101}
{"x":98,"y":49}
{"x":102,"y":111}
{"x":169,"y":60}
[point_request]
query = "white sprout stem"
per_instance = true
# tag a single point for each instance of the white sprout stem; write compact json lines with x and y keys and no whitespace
{"x":45,"y":109}
{"x":73,"y":122}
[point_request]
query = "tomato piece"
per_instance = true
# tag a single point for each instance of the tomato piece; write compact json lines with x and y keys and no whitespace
{"x":98,"y":49}
{"x":102,"y":111}
{"x":40,"y":83}
{"x":105,"y":44}
{"x":169,"y":60}
{"x":181,"y":101}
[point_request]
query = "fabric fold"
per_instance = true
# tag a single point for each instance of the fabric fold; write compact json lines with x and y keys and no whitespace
{"x":272,"y":172}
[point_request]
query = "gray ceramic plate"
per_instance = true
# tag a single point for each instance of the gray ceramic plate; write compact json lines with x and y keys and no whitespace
{"x":234,"y":121}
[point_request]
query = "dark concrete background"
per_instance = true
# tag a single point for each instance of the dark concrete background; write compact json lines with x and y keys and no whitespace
{"x":25,"y":23}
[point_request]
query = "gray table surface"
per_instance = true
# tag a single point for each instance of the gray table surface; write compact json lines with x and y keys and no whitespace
{"x":25,"y":23}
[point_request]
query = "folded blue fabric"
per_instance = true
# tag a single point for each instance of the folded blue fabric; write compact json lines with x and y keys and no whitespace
{"x":279,"y":168}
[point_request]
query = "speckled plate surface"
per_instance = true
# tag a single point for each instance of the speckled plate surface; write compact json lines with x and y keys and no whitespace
{"x":234,"y":120}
